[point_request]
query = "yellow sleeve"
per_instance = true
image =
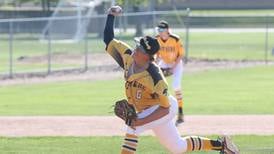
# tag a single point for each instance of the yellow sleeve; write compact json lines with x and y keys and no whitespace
{"x":164,"y":101}
{"x":162,"y":90}
{"x":119,"y":50}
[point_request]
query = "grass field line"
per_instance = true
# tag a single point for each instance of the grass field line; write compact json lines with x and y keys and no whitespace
{"x":19,"y":126}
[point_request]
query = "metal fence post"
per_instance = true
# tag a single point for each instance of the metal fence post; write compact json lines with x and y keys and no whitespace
{"x":86,"y":51}
{"x":49,"y":50}
{"x":187,"y":35}
{"x":154,"y":22}
{"x":125,"y":21}
{"x":266,"y":40}
{"x":10,"y":49}
{"x":120,"y":26}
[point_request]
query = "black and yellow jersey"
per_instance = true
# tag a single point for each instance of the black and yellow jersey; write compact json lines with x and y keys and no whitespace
{"x":170,"y":49}
{"x":143,"y":89}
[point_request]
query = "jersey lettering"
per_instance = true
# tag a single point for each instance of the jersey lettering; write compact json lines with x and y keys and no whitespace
{"x":138,"y":94}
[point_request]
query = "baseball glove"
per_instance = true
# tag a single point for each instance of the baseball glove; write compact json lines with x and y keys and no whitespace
{"x":125,"y":111}
{"x":167,"y":71}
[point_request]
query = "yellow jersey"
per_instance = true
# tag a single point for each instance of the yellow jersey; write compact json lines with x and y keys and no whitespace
{"x":170,"y":49}
{"x":143,"y":89}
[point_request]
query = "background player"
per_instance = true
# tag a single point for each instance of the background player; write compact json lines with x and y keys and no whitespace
{"x":146,"y":89}
{"x":169,"y":59}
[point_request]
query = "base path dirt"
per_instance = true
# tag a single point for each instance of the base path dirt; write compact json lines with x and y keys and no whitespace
{"x":15,"y":126}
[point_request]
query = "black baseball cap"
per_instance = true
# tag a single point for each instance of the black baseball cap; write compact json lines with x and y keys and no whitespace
{"x":163,"y":24}
{"x":148,"y":44}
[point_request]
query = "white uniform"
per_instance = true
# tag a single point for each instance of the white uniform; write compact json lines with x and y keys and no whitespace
{"x":177,"y":73}
{"x":170,"y":50}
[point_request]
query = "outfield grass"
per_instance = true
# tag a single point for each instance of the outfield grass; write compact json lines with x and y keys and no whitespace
{"x":236,"y":91}
{"x":29,"y":48}
{"x":214,"y":45}
{"x":236,"y":46}
{"x":208,"y":45}
{"x":105,"y":145}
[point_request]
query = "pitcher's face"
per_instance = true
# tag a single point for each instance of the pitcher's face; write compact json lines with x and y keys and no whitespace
{"x":139,"y":56}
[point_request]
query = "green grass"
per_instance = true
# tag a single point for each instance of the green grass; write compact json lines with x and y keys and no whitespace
{"x":214,"y":45}
{"x":30,"y":47}
{"x":105,"y":145}
{"x":235,"y":91}
{"x":65,"y":98}
{"x":236,"y":46}
{"x":206,"y":45}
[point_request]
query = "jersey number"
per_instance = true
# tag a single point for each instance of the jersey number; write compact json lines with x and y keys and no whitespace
{"x":138,"y":94}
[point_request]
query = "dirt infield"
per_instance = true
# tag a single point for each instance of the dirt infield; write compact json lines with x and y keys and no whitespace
{"x":17,"y":126}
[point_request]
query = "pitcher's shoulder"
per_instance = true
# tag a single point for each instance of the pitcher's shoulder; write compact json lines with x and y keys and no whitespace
{"x":155,"y":73}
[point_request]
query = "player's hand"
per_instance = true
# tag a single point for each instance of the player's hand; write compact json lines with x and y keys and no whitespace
{"x":115,"y":10}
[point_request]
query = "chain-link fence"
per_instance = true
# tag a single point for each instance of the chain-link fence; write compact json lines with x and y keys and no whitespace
{"x":27,"y":46}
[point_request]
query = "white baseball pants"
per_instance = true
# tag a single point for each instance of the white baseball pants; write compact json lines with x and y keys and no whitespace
{"x":177,"y":73}
{"x":163,"y":128}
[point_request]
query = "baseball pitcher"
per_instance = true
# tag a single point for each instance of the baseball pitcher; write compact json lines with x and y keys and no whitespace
{"x":148,"y":105}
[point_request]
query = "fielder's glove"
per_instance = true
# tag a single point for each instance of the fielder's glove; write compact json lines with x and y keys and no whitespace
{"x":125,"y":111}
{"x":167,"y":71}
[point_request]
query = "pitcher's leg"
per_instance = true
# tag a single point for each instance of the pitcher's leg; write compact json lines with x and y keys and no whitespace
{"x":198,"y":143}
{"x":169,"y":137}
{"x":169,"y":117}
{"x":130,"y":144}
{"x":165,"y":126}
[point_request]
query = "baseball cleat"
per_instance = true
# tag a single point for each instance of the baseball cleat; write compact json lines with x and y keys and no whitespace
{"x":228,"y":146}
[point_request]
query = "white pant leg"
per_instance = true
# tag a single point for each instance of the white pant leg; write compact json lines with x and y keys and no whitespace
{"x":161,"y":121}
{"x":170,"y":138}
{"x":177,"y":76}
{"x":177,"y":73}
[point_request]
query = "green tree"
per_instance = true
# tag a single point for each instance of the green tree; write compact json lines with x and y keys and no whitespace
{"x":136,"y":5}
{"x":45,"y":4}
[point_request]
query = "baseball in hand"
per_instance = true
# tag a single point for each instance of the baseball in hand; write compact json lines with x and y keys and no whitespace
{"x":115,"y":10}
